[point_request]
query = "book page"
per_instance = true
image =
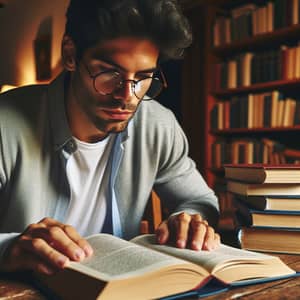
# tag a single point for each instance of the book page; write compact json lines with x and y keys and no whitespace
{"x":115,"y":258}
{"x":210,"y":260}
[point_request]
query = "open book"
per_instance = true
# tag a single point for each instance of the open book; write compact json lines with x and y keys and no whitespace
{"x":141,"y":269}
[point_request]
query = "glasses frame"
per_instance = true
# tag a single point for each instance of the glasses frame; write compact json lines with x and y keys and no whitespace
{"x":132,"y":81}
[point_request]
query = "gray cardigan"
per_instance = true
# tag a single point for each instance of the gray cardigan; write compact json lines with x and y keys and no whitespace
{"x":36,"y":142}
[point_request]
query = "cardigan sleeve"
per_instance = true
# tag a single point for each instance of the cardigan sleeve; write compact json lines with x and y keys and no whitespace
{"x":179,"y":184}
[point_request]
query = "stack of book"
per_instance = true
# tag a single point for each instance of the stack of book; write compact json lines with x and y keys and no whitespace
{"x":267,"y":199}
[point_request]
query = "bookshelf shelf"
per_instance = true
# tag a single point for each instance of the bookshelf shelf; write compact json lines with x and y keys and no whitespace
{"x":265,"y":86}
{"x":259,"y":41}
{"x":247,"y":131}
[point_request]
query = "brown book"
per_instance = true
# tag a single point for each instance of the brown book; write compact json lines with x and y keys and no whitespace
{"x":284,"y":62}
{"x":283,"y":203}
{"x":267,"y":189}
{"x":141,"y":269}
{"x":263,"y":173}
{"x":246,"y":68}
{"x":289,"y":112}
{"x":270,"y":240}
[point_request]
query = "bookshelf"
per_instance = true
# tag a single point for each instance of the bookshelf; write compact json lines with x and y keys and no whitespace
{"x":201,"y":94}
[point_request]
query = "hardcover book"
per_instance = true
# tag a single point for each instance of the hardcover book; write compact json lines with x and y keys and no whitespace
{"x":141,"y":269}
{"x":280,"y":202}
{"x":267,"y":189}
{"x":277,"y":240}
{"x":262,"y":218}
{"x":262,"y":173}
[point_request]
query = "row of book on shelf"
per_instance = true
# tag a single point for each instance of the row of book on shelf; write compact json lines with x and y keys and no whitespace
{"x":245,"y":69}
{"x":251,"y":19}
{"x":259,"y":110}
{"x":266,"y":204}
{"x":249,"y":151}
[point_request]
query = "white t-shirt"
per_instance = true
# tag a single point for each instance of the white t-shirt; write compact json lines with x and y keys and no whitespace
{"x":88,"y":185}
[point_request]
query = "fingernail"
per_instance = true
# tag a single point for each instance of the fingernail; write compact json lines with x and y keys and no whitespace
{"x":79,"y":254}
{"x":160,"y":239}
{"x":196,"y":245}
{"x":47,"y":270}
{"x":208,"y":246}
{"x":88,"y":250}
{"x":61,"y":261}
{"x":181,"y":243}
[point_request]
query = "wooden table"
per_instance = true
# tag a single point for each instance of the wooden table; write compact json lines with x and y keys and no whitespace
{"x":16,"y":288}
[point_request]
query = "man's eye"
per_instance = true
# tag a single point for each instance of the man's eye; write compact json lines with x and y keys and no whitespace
{"x":143,"y":76}
{"x":113,"y":74}
{"x":101,"y":69}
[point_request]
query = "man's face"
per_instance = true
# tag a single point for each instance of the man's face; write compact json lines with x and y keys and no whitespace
{"x":128,"y":58}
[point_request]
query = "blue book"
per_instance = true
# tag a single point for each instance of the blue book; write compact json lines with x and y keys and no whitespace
{"x":246,"y":216}
{"x":269,"y":203}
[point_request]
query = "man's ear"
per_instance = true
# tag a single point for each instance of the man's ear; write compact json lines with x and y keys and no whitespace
{"x":68,"y":50}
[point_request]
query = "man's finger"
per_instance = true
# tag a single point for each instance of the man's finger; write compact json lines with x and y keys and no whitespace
{"x":197,"y":232}
{"x":40,"y":248}
{"x":27,"y":261}
{"x":162,"y":233}
{"x":59,"y":235}
{"x":209,"y":242}
{"x":76,"y":237}
{"x":181,"y":223}
{"x":217,"y":241}
{"x":57,"y":238}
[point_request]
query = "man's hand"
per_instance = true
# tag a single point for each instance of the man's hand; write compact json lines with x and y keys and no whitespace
{"x":45,"y":247}
{"x":188,"y":231}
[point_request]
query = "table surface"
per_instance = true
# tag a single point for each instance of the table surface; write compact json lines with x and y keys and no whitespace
{"x":17,"y":289}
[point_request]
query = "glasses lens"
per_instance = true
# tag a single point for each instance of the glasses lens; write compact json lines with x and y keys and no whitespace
{"x":141,"y":87}
{"x":155,"y":88}
{"x":107,"y":82}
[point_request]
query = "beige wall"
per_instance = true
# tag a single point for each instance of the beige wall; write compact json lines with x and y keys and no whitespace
{"x":20,"y":22}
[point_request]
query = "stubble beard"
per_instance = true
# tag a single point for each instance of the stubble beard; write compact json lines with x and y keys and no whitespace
{"x":109,"y":126}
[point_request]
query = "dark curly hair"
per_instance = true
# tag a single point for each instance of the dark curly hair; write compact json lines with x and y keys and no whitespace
{"x":161,"y":21}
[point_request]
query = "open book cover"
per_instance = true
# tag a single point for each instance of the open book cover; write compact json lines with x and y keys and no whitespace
{"x":141,"y":269}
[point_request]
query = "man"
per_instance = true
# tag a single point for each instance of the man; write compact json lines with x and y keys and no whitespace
{"x":87,"y":149}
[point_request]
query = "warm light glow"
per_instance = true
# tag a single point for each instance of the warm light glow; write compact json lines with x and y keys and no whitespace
{"x":6,"y":87}
{"x":26,"y":68}
{"x":17,"y":57}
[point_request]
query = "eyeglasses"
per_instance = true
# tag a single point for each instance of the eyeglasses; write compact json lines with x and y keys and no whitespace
{"x":110,"y":81}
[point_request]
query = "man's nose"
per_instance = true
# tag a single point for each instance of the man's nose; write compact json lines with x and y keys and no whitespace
{"x":126,"y":91}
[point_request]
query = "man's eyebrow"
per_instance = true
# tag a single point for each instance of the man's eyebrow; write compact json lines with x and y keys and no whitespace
{"x":114,"y":64}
